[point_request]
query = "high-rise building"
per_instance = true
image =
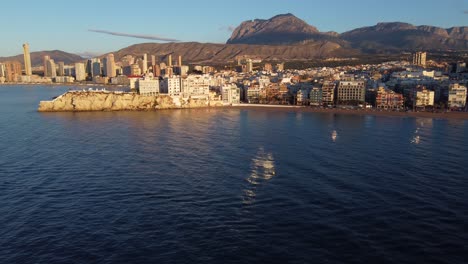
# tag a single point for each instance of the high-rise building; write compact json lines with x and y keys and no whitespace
{"x":328,"y":93}
{"x":156,"y":70}
{"x":419,"y":58}
{"x":2,"y":70}
{"x":51,"y":68}
{"x":169,"y":60}
{"x":315,"y":96}
{"x":144,"y":67}
{"x":61,"y":68}
{"x":96,"y":68}
{"x":153,"y":60}
{"x":12,"y":70}
{"x":27,"y":59}
{"x":249,"y":65}
{"x":80,"y":72}
{"x":179,"y":61}
{"x":46,"y":58}
{"x":89,"y":68}
{"x":110,"y":66}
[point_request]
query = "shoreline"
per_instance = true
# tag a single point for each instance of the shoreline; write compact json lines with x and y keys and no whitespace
{"x":437,"y":115}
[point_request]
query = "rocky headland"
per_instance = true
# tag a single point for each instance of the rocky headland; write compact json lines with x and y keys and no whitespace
{"x":118,"y":101}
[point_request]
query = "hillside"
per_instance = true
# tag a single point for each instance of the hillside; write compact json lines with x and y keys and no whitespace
{"x":37,"y":58}
{"x":207,"y":52}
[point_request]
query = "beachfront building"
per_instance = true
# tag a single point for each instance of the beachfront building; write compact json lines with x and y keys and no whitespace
{"x":302,"y":96}
{"x":423,"y":97}
{"x":230,"y":94}
{"x":388,"y":99}
{"x":457,"y":96}
{"x":148,"y":86}
{"x":196,"y":86}
{"x":351,"y":92}
{"x":328,"y":93}
{"x":315,"y":96}
{"x":171,"y":85}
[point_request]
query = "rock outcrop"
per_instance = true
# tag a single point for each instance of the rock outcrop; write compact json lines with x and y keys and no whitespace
{"x":118,"y":101}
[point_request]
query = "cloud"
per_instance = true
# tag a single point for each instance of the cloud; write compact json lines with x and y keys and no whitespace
{"x":227,"y":28}
{"x":141,"y":36}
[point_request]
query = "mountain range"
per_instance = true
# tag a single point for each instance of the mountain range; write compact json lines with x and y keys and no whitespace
{"x":383,"y":37}
{"x":286,"y":37}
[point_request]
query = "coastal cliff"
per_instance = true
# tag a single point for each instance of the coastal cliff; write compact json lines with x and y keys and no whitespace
{"x":117,"y":101}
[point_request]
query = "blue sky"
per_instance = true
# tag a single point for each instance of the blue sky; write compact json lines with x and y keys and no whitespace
{"x":64,"y":25}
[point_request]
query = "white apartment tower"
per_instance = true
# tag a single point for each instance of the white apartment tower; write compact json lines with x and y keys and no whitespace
{"x":80,"y":72}
{"x":144,"y":67}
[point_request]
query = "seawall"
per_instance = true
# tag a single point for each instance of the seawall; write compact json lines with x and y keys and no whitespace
{"x":118,"y":101}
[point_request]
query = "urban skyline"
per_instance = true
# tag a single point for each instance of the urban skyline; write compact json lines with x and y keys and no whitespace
{"x":86,"y":29}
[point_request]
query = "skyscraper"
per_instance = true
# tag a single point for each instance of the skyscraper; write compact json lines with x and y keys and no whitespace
{"x":180,"y":61}
{"x":12,"y":70}
{"x":51,"y":69}
{"x":169,"y":60}
{"x":46,"y":58}
{"x":419,"y":58}
{"x":96,"y":67}
{"x":144,"y":67}
{"x":110,"y":66}
{"x":27,"y":59}
{"x":80,"y":72}
{"x":61,"y":68}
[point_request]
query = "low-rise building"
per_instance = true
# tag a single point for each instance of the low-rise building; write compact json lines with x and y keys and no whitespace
{"x":64,"y":79}
{"x":351,"y":92}
{"x":388,"y":99}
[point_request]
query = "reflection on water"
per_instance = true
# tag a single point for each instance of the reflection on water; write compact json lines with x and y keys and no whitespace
{"x":262,"y":170}
{"x":422,"y":124}
{"x":334,"y":135}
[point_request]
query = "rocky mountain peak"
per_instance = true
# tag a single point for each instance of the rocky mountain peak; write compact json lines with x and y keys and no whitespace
{"x":272,"y":31}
